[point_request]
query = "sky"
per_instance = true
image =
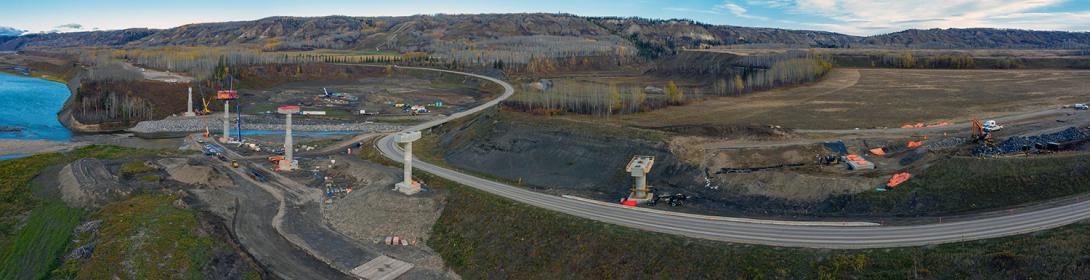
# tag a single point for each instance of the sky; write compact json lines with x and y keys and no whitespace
{"x":855,"y":17}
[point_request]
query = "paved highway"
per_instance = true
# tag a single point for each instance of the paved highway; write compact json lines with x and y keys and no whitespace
{"x":778,"y":233}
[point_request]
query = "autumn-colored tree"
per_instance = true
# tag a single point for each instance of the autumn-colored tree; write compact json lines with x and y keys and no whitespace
{"x":739,"y":85}
{"x":615,"y":101}
{"x":907,"y":61}
{"x":674,"y":93}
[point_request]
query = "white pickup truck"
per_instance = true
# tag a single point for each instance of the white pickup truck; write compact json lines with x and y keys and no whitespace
{"x":1081,"y":106}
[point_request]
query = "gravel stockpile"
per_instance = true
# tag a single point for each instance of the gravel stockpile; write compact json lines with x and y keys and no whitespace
{"x":945,"y":144}
{"x":1015,"y":144}
{"x":215,"y":124}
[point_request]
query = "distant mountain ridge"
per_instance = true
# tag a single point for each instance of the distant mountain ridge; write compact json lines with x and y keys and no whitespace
{"x":10,"y":31}
{"x":423,"y":32}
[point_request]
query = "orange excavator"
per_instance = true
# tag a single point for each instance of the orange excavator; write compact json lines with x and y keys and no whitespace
{"x":981,"y":135}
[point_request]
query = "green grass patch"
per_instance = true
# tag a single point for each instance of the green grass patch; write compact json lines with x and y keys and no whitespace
{"x":50,"y":222}
{"x":15,"y":176}
{"x":135,"y":167}
{"x":36,"y":246}
{"x":151,"y":178}
{"x":959,"y":185}
{"x":152,"y":238}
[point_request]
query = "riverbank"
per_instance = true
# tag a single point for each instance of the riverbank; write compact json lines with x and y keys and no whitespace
{"x":11,"y":148}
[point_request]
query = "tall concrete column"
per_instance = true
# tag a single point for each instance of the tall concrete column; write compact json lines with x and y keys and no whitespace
{"x":288,"y":163}
{"x":226,"y":121}
{"x":408,"y":164}
{"x":189,"y":105}
{"x":407,"y":186}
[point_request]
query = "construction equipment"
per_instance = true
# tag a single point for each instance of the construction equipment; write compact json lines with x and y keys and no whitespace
{"x":234,"y":163}
{"x":675,"y":200}
{"x":276,"y":159}
{"x":829,"y":160}
{"x":257,"y":175}
{"x":981,"y":135}
{"x":991,"y":125}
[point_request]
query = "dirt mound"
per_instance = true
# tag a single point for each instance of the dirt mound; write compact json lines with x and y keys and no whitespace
{"x":88,"y":183}
{"x":180,"y":170}
{"x":794,"y":186}
{"x":765,"y":157}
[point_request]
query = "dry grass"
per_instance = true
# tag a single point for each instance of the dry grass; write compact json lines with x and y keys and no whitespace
{"x":865,"y":98}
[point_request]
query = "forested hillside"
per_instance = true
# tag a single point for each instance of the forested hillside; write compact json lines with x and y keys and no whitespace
{"x":451,"y":35}
{"x":981,"y":38}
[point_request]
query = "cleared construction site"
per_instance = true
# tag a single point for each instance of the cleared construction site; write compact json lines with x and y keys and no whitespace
{"x":754,"y":159}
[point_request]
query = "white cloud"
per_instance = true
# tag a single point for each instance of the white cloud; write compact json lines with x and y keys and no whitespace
{"x":736,"y":10}
{"x":866,"y":17}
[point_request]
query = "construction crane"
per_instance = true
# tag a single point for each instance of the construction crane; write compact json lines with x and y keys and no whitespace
{"x":204,"y":112}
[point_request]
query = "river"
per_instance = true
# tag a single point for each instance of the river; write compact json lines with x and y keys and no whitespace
{"x":32,"y":104}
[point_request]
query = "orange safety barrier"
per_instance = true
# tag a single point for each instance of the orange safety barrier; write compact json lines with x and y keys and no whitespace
{"x":939,"y":124}
{"x":878,"y":151}
{"x":914,"y":144}
{"x":897,"y":179}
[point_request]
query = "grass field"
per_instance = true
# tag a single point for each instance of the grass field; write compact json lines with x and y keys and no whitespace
{"x":147,"y":237}
{"x":34,"y":249}
{"x":866,"y":98}
{"x":50,"y":222}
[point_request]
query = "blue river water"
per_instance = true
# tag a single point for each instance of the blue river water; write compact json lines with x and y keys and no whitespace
{"x":32,"y":104}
